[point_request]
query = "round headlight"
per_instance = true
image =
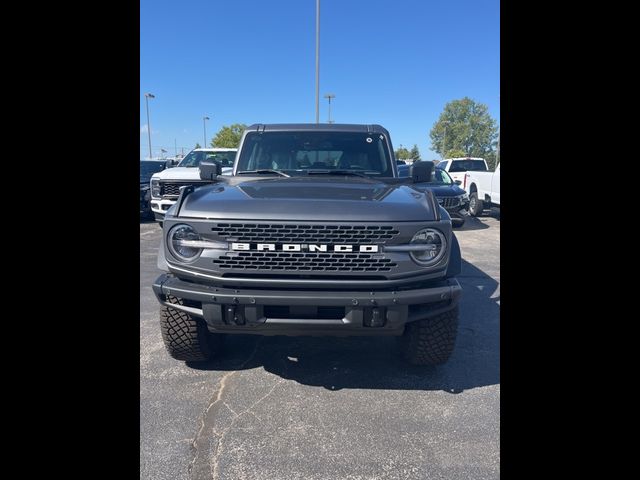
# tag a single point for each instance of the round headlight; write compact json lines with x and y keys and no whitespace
{"x":435,"y":245}
{"x":179,"y":239}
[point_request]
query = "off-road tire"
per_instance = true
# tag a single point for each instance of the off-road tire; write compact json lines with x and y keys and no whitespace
{"x":186,"y":337}
{"x":476,"y":206}
{"x":430,"y":341}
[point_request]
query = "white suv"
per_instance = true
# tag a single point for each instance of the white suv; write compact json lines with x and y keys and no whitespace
{"x":165,"y":185}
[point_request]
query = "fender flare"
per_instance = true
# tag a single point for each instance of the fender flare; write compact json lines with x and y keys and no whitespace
{"x":455,"y":258}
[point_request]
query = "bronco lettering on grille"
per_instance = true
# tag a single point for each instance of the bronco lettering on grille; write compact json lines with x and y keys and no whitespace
{"x":299,"y":247}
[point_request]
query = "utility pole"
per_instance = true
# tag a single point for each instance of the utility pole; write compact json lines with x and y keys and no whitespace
{"x":147,"y":96}
{"x":329,"y":96}
{"x":444,"y":142}
{"x":317,"y":61}
{"x":204,"y":122}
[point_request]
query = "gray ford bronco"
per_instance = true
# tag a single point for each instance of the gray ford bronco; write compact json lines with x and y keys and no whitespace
{"x":313,"y":234}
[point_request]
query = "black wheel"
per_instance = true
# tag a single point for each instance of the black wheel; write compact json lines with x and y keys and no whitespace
{"x":430,"y":341}
{"x":476,"y":206}
{"x":186,"y":337}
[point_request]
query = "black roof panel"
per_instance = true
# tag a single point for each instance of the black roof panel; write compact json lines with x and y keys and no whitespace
{"x":326,"y":127}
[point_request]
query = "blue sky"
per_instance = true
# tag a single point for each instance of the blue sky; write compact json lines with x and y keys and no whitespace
{"x":395,"y":63}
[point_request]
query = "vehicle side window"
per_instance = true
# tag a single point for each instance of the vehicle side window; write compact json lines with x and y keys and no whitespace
{"x":444,"y":165}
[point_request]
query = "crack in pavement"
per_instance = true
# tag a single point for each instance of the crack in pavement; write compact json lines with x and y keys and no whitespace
{"x":206,"y":416}
{"x":218,"y":450}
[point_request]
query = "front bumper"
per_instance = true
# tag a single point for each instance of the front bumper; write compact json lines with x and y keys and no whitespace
{"x":458,"y":213}
{"x":159,"y":206}
{"x":307,"y":312}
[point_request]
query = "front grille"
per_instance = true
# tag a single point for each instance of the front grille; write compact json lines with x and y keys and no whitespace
{"x":324,"y":234}
{"x":448,"y":202}
{"x":310,"y":262}
{"x":172,"y":189}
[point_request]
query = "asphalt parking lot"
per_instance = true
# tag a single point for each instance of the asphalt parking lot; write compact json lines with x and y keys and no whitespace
{"x":324,"y":408}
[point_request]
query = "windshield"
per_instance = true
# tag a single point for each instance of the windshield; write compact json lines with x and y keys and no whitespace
{"x":303,"y":152}
{"x":438,"y":177}
{"x":149,"y":168}
{"x":441,"y":177}
{"x":194,"y":158}
{"x":468,"y":165}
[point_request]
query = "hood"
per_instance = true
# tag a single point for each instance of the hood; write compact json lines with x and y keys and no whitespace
{"x":442,"y":190}
{"x":185,"y":173}
{"x":310,"y":199}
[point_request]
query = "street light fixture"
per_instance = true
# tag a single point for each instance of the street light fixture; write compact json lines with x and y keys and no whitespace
{"x":204,"y":122}
{"x":147,"y":96}
{"x":329,"y":96}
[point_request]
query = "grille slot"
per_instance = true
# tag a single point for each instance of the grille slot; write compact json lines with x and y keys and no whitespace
{"x":172,"y":189}
{"x":304,"y":262}
{"x":448,"y":202}
{"x":324,"y":234}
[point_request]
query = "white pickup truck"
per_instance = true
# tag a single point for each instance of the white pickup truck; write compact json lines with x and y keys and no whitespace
{"x":483,"y":189}
{"x":457,"y":167}
{"x":165,"y":185}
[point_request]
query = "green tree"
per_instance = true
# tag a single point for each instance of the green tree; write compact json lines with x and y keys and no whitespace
{"x":229,"y":136}
{"x":197,"y":145}
{"x":402,"y":153}
{"x":415,"y":153}
{"x":456,"y":152}
{"x":467,"y":128}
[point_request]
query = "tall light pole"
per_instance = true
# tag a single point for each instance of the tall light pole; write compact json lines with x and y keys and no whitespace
{"x":204,"y":122}
{"x":147,"y":96}
{"x":444,"y":142}
{"x":329,"y":96}
{"x":317,"y":61}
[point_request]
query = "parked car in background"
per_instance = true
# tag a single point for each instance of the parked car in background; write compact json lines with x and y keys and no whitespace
{"x":165,"y":185}
{"x":147,"y":169}
{"x":457,"y":167}
{"x":484,"y":190}
{"x":447,"y":191}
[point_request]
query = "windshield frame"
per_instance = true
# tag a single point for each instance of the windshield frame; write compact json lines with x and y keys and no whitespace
{"x":385,"y":157}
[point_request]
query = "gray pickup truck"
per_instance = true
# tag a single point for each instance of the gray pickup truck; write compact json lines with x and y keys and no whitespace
{"x":313,"y":234}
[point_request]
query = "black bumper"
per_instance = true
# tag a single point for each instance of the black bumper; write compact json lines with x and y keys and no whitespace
{"x":458,"y":213}
{"x":310,"y":312}
{"x":145,"y":205}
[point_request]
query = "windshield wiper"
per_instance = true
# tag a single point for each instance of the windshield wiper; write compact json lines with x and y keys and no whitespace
{"x":364,"y":174}
{"x":262,"y":171}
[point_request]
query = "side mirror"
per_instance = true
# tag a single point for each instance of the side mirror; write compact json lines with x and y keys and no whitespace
{"x":170,"y":163}
{"x":210,"y":170}
{"x":458,"y":182}
{"x":421,"y":171}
